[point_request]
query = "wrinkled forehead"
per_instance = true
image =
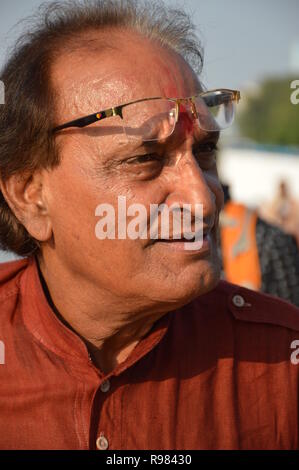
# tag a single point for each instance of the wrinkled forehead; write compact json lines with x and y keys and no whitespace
{"x":90,"y":81}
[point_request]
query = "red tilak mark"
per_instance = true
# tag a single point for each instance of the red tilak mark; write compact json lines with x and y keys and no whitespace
{"x":186,"y":123}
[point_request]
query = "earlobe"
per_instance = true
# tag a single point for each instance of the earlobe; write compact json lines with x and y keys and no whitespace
{"x":24,"y":195}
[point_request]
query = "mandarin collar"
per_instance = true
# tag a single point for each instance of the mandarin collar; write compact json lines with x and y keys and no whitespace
{"x":42,"y":322}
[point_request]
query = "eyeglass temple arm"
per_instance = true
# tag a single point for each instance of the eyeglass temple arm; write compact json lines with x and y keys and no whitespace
{"x":236,"y":93}
{"x":91,"y":118}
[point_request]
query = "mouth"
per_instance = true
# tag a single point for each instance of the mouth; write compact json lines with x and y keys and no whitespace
{"x":194,"y":244}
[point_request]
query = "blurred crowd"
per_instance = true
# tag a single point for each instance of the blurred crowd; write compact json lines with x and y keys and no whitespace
{"x":260,"y":248}
{"x":283,"y":211}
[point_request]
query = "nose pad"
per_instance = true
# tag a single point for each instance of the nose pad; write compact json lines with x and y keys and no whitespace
{"x":194,"y":110}
{"x":187,"y":105}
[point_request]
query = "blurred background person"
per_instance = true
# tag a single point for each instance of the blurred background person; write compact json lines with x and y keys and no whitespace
{"x":283,"y":211}
{"x":256,"y":254}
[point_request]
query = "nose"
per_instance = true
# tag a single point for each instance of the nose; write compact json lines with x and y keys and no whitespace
{"x":191,"y":185}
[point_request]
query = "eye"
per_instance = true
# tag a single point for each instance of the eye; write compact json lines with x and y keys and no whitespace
{"x":205,"y":154}
{"x":207,"y":147}
{"x":144,"y":167}
{"x":142,"y":159}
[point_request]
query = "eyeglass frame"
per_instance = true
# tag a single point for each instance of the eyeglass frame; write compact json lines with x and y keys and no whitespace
{"x":117,"y":110}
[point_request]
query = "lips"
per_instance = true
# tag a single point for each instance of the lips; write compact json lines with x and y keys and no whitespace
{"x":201,"y":247}
{"x":175,"y":240}
{"x":180,"y":239}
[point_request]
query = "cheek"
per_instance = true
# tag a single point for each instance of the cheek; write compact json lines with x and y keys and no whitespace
{"x":71,"y":206}
{"x":215,"y":186}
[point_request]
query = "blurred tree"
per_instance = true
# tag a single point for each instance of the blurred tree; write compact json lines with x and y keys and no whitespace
{"x":268,"y":116}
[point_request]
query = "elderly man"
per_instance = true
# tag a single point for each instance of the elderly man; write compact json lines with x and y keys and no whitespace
{"x":126,"y":342}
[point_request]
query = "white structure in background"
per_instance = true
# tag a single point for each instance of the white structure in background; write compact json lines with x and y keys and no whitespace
{"x":254,"y":172}
{"x":2,"y":93}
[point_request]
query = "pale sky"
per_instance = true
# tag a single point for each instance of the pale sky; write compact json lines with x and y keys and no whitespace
{"x":245,"y":40}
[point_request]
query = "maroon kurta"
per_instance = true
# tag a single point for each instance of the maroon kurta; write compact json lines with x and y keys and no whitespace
{"x":215,"y":374}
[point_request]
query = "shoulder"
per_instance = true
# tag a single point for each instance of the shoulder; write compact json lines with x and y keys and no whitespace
{"x":9,"y":277}
{"x":234,"y":322}
{"x":244,"y":305}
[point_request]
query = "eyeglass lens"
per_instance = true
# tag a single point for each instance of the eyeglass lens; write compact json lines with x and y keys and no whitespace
{"x":155,"y":120}
{"x":150,"y":120}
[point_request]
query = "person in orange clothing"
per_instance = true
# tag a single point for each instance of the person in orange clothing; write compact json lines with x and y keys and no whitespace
{"x":256,"y":254}
{"x":127,"y":342}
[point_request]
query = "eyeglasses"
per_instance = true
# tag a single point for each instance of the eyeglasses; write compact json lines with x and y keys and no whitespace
{"x":154,"y":119}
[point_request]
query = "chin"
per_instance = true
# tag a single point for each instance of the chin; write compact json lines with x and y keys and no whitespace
{"x":190,"y":285}
{"x":201,"y":284}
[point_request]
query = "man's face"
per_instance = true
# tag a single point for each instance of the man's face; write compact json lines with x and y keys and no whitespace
{"x":98,"y":167}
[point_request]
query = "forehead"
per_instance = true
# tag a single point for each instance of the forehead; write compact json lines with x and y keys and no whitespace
{"x":91,"y":79}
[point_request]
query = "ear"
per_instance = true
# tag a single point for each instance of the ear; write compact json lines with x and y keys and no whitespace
{"x":25,"y":196}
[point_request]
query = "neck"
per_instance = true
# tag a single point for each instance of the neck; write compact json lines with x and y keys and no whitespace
{"x":110,"y":327}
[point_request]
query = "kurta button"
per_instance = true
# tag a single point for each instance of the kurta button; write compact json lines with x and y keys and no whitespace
{"x":238,"y":301}
{"x":105,"y":386}
{"x":102,"y":443}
